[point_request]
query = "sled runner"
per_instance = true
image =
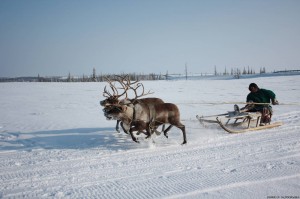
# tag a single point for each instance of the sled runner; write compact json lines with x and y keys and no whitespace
{"x":237,"y":121}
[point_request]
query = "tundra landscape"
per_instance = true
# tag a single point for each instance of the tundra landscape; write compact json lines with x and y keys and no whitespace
{"x":55,"y":142}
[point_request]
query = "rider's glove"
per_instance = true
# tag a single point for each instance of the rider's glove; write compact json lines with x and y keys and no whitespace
{"x":248,"y":107}
{"x":275,"y":102}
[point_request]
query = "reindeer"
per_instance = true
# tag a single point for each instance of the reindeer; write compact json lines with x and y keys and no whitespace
{"x":128,"y":116}
{"x":113,"y":99}
{"x":137,"y":116}
{"x":112,"y":107}
{"x":142,"y":117}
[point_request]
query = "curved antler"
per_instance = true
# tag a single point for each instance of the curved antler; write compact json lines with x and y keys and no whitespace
{"x":126,"y":85}
{"x":106,"y":93}
{"x":114,"y":89}
{"x":138,"y":85}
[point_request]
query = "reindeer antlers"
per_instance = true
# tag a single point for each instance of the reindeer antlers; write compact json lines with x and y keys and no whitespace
{"x":138,"y":85}
{"x":126,"y":82}
{"x":114,"y":89}
{"x":126,"y":85}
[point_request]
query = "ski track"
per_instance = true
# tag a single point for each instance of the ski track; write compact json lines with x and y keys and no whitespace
{"x":170,"y":171}
{"x":99,"y":163}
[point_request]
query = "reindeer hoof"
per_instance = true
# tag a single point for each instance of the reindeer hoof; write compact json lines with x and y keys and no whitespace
{"x":184,"y":142}
{"x":166,"y":135}
{"x":136,"y":140}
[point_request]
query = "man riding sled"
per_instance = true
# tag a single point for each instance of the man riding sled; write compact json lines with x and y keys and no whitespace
{"x":261,"y":102}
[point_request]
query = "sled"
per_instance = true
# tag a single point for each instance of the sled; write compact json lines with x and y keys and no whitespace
{"x":237,"y":121}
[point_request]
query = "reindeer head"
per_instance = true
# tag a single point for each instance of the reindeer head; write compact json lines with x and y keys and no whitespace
{"x":109,"y":101}
{"x":114,"y":98}
{"x":112,"y":112}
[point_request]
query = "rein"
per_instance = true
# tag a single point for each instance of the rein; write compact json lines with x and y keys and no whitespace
{"x":254,"y":103}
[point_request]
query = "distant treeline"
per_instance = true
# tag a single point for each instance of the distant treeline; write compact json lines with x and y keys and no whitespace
{"x":83,"y":78}
{"x":286,"y":71}
{"x":236,"y":73}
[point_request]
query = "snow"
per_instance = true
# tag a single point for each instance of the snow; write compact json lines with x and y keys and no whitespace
{"x":56,"y":143}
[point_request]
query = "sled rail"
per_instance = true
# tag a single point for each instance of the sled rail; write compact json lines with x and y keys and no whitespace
{"x":246,"y":121}
{"x":233,"y":131}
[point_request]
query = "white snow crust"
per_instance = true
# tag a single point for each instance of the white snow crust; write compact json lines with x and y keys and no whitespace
{"x":56,"y":143}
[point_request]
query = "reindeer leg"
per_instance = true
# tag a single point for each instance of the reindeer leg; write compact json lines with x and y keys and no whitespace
{"x":166,"y":131}
{"x":150,"y":128}
{"x":182,"y":128}
{"x":149,"y":131}
{"x":132,"y":136}
{"x":156,"y":131}
{"x":123,"y":128}
{"x":117,"y":126}
{"x":163,"y":128}
{"x":148,"y":135}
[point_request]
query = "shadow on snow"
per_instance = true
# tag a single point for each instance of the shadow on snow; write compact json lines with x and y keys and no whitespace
{"x":79,"y":138}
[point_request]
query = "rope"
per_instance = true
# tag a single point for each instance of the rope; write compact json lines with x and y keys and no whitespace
{"x":220,"y":103}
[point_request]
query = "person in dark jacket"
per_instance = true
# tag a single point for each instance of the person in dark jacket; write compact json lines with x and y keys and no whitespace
{"x":263,"y":96}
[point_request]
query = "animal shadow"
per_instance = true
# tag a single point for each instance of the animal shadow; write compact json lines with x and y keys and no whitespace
{"x":78,"y":138}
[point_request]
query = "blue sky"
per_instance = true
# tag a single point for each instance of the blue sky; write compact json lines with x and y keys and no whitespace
{"x":55,"y":37}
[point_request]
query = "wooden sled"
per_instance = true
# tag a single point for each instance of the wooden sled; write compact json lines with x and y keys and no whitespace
{"x":237,"y":122}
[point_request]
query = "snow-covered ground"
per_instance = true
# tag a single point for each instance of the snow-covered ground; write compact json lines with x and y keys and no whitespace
{"x":56,"y":143}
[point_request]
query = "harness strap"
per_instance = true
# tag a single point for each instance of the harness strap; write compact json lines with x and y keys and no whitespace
{"x":133,"y":117}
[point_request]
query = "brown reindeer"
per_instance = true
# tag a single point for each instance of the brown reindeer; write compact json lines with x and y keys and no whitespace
{"x":131,"y":120}
{"x":113,"y":99}
{"x":111,"y":106}
{"x":141,"y":117}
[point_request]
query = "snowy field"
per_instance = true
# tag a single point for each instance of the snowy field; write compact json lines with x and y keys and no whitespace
{"x":56,"y":143}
